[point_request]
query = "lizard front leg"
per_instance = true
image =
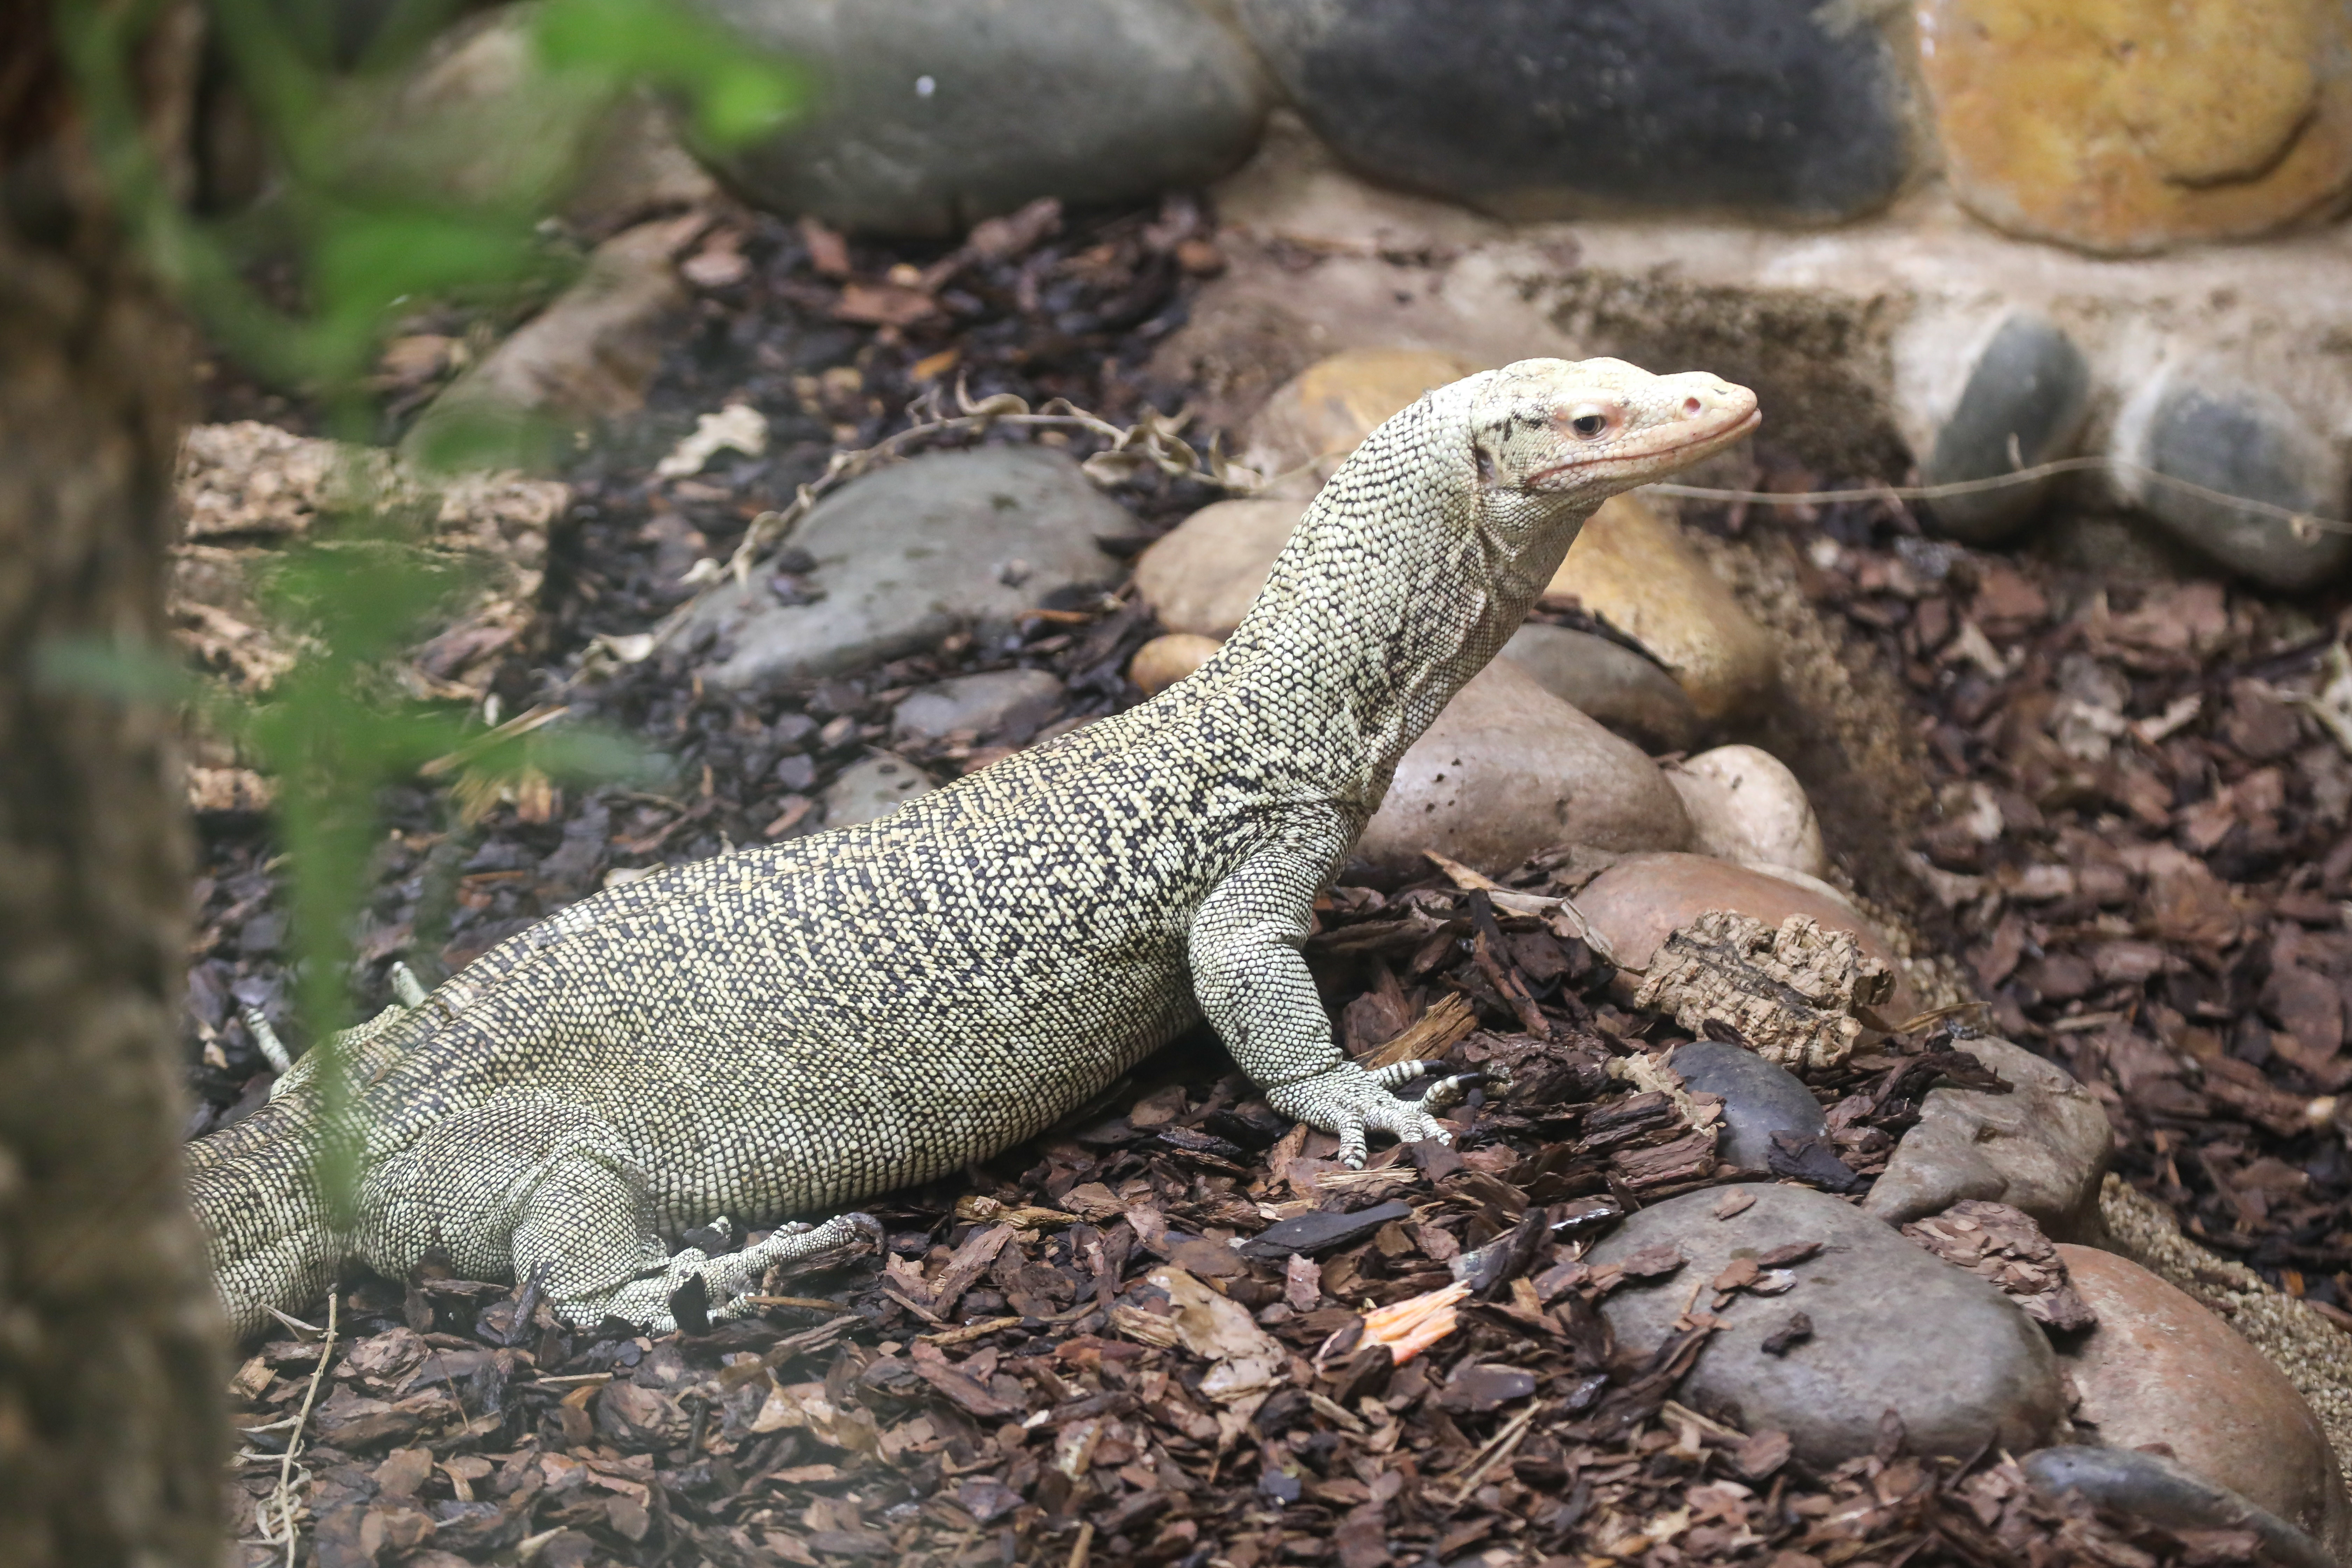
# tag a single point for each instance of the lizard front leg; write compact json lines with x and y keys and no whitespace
{"x":1251,"y":982}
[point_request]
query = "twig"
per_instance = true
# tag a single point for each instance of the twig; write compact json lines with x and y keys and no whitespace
{"x":282,"y":1498}
{"x":2303,"y":523}
{"x":1498,"y":1448}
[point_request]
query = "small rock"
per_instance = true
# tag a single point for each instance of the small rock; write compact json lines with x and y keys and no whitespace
{"x":1203,"y":577}
{"x":1479,"y":1386}
{"x":2159,"y":1368}
{"x":873,"y":787}
{"x":928,"y":117}
{"x":2023,"y":404}
{"x":1984,"y":1375}
{"x":1746,"y":807}
{"x":1639,"y":902}
{"x":1760,"y":1099}
{"x":1010,"y":702}
{"x":1558,"y":110}
{"x":2042,"y":1147}
{"x":1509,"y":769}
{"x":1319,"y":415}
{"x":1610,"y":682}
{"x":1165,"y":661}
{"x":909,"y":553}
{"x":2206,"y":428}
{"x":2137,"y":125}
{"x":2151,"y":1487}
{"x":1630,"y":568}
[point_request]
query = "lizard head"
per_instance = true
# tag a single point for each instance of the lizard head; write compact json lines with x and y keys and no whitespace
{"x":1553,"y":435}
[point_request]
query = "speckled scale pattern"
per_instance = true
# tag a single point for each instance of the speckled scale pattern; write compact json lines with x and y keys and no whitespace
{"x":788,"y":1028}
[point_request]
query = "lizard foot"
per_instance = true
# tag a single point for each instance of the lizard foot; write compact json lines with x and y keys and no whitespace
{"x":731,"y":1277}
{"x":1349,"y":1101}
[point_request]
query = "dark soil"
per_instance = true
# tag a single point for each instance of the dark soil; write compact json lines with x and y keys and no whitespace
{"x":1009,"y":1385}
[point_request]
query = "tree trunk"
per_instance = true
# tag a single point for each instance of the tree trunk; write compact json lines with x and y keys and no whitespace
{"x":111,"y":1376}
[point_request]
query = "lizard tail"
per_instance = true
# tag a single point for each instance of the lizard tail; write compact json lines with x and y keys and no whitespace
{"x":256,"y":1195}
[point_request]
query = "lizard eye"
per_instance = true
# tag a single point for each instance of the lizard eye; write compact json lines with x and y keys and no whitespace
{"x":1589,"y":423}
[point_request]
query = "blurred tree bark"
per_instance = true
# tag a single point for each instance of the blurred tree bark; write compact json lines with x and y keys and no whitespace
{"x":111,"y":1424}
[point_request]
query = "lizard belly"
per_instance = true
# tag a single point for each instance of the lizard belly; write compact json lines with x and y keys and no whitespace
{"x":830,"y":1126}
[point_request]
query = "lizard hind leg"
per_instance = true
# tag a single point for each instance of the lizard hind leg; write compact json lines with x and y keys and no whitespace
{"x":589,"y":1223}
{"x":729,"y":1279}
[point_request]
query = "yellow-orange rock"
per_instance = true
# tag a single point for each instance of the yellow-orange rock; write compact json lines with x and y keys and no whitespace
{"x":1632,"y":568}
{"x":1204,"y":575}
{"x":2124,"y":126}
{"x":1165,"y":661}
{"x":1322,"y":413}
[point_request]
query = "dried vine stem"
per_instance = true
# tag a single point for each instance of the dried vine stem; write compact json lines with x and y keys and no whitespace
{"x":281,"y":1500}
{"x":1151,"y":442}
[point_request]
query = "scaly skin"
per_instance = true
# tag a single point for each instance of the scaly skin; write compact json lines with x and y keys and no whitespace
{"x":786,"y":1029}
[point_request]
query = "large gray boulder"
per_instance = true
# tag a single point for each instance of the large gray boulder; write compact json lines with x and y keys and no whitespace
{"x":1894,"y":1328}
{"x":1538,"y":109}
{"x":2200,"y":423}
{"x":950,"y":542}
{"x":929,"y":116}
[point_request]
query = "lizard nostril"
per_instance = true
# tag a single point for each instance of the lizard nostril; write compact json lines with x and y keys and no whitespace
{"x":1690,"y":407}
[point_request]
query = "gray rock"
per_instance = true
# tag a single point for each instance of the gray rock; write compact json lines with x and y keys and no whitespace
{"x":2023,"y":404}
{"x":1554,"y":107}
{"x":2242,"y":441}
{"x":1760,"y":1099}
{"x":1003,"y":702}
{"x":929,"y":117}
{"x":2042,"y":1148}
{"x":1894,"y":1328}
{"x":873,"y":787}
{"x":1509,"y":769}
{"x":2150,"y":1487}
{"x":907,"y":554}
{"x":1607,"y":681}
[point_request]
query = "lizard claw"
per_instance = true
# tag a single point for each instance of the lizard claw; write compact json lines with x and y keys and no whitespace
{"x":731,"y":1279}
{"x":1352,"y":1102}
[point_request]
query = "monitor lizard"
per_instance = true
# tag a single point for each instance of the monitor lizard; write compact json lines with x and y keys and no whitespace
{"x":784,"y":1029}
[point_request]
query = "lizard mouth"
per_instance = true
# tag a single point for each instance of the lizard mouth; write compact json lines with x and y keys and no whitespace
{"x":1680,"y":441}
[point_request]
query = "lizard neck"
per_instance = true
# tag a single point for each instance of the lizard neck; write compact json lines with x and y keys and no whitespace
{"x":1397,"y":588}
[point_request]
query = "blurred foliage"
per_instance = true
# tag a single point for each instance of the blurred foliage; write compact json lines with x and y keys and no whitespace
{"x":378,"y":204}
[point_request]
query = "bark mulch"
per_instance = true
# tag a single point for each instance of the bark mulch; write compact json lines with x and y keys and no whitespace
{"x":1157,"y":1335}
{"x":2145,"y":846}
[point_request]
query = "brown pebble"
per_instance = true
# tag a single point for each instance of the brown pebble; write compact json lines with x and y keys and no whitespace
{"x":1165,"y":661}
